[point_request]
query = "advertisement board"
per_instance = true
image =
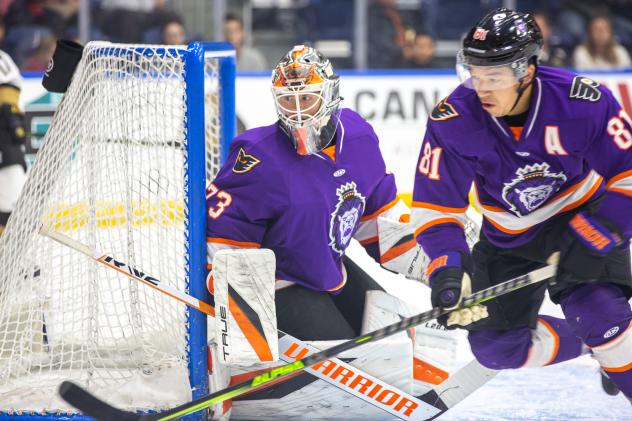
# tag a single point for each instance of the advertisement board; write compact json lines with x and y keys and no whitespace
{"x":396,"y":104}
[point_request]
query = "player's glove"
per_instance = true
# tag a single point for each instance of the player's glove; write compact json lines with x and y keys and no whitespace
{"x":583,"y":251}
{"x":12,"y":124}
{"x":449,"y":277}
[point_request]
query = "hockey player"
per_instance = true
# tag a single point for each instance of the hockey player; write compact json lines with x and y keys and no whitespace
{"x":304,"y":187}
{"x":550,"y":156}
{"x":12,"y":136}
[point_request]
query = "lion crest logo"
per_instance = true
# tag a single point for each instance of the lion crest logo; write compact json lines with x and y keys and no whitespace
{"x":345,"y":218}
{"x":533,"y":186}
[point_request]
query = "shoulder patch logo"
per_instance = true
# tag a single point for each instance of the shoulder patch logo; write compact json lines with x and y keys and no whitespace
{"x":244,"y":162}
{"x":585,"y":88}
{"x":443,"y":111}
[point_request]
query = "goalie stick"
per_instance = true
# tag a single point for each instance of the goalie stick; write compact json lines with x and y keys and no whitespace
{"x":407,"y":407}
{"x":91,"y":405}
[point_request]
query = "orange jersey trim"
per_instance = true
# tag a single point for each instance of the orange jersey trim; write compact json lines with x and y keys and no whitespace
{"x":506,"y":230}
{"x":621,"y":191}
{"x":380,"y":210}
{"x":243,"y":244}
{"x":554,"y":199}
{"x":330,"y":152}
{"x":516,"y":131}
{"x":567,"y":208}
{"x":437,"y":222}
{"x":556,"y":339}
{"x":618,"y":177}
{"x":439,"y":208}
{"x":587,"y":196}
{"x":618,"y":369}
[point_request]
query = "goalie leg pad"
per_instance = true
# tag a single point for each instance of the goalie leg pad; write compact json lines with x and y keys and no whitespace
{"x":219,"y":378}
{"x":399,"y":251}
{"x":245,"y":326}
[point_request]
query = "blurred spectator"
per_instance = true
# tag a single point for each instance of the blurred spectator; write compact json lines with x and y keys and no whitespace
{"x":12,"y":138}
{"x":422,"y":54}
{"x":40,"y":57}
{"x":601,"y":50}
{"x":173,"y":33}
{"x":56,"y":15}
{"x":3,"y":32}
{"x":130,"y":20}
{"x":552,"y":55}
{"x":248,"y":58}
{"x":386,"y":35}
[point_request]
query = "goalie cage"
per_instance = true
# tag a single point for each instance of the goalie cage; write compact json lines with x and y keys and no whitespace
{"x":122,"y":169}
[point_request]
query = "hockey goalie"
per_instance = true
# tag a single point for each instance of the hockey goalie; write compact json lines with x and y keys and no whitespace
{"x":281,"y":213}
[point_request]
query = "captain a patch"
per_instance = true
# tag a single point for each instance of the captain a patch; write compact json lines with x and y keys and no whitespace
{"x":245,"y":162}
{"x":585,"y":88}
{"x":443,"y":111}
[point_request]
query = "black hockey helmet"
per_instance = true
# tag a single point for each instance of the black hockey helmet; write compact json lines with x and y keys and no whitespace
{"x":503,"y":37}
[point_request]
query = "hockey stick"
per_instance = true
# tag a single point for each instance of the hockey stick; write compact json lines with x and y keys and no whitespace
{"x":407,"y":407}
{"x":90,"y":405}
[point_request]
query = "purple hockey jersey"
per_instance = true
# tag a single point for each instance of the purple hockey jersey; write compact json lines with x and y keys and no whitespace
{"x":305,"y":208}
{"x":576,"y":146}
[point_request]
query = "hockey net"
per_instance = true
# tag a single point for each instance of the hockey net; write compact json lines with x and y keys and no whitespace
{"x":112,"y":175}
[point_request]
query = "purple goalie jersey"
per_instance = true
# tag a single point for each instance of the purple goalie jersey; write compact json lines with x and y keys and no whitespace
{"x":305,"y":208}
{"x":575,"y":147}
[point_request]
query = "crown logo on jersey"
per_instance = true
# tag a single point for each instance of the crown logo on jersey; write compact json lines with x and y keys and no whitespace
{"x":533,"y":171}
{"x":533,"y":186}
{"x":346,"y":191}
{"x":345,"y":217}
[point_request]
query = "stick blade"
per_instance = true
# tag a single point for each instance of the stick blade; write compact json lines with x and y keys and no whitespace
{"x":89,"y":404}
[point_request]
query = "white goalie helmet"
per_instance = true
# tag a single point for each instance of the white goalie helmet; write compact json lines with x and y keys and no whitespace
{"x":306,"y":97}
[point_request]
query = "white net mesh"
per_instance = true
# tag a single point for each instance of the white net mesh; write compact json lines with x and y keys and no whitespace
{"x":111,"y":175}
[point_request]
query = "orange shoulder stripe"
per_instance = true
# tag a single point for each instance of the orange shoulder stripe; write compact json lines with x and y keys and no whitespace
{"x":618,"y":177}
{"x":380,"y":210}
{"x":439,"y":208}
{"x":437,"y":222}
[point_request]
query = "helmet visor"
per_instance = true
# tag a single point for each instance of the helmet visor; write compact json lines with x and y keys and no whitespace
{"x":489,"y":78}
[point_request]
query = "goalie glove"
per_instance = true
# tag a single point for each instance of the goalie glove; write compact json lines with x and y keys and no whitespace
{"x":399,"y":251}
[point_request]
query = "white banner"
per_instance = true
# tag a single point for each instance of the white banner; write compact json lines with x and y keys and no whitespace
{"x":395,"y":103}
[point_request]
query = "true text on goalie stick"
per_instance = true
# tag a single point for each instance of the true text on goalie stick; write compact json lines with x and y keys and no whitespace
{"x":406,"y":407}
{"x":90,"y":405}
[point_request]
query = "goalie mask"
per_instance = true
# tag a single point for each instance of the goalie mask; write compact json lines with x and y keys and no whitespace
{"x":305,"y":90}
{"x":498,"y":50}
